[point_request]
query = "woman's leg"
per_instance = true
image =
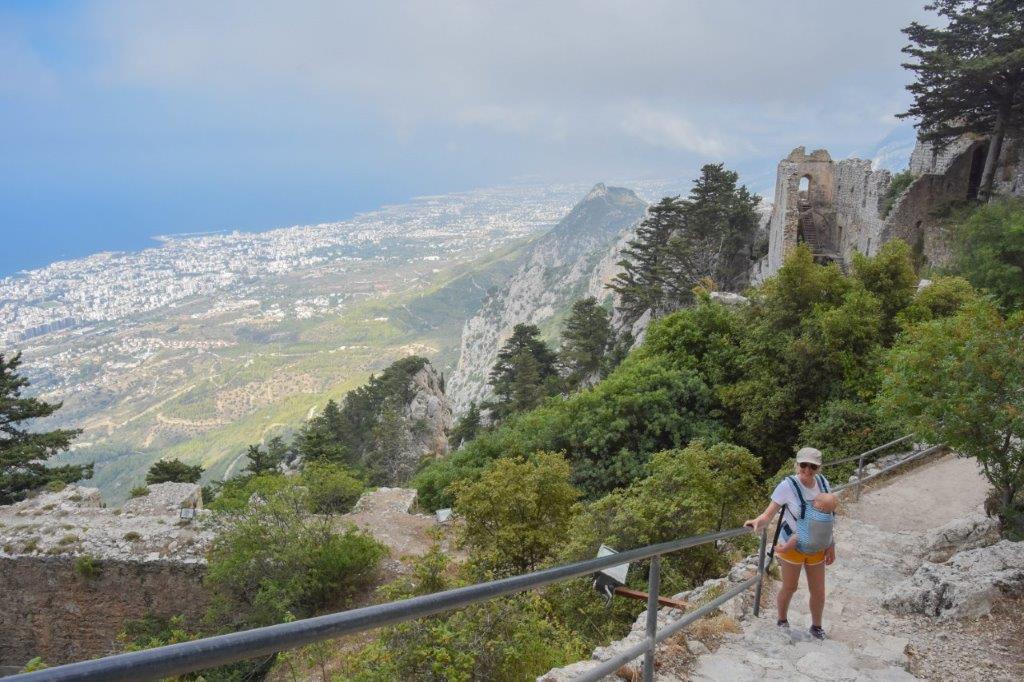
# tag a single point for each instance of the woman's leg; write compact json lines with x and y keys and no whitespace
{"x":790,"y":578}
{"x":816,"y":586}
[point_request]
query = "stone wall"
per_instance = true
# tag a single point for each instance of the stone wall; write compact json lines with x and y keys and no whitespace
{"x":858,"y":197}
{"x":47,"y":609}
{"x":847,"y":199}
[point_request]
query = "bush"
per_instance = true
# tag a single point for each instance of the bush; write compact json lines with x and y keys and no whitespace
{"x":899,"y":184}
{"x":276,"y":561}
{"x":510,"y":638}
{"x":173,"y":471}
{"x":516,"y":514}
{"x":56,"y":486}
{"x":87,"y":567}
{"x":234,"y":494}
{"x":989,"y":249}
{"x":139,"y":491}
{"x":333,"y":489}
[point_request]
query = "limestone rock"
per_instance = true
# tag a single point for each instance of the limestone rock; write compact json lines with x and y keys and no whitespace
{"x":961,"y":534}
{"x":165,"y":498}
{"x":964,"y":586}
{"x":729,"y":298}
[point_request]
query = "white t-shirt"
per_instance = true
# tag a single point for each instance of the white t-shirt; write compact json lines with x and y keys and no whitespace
{"x":785,"y":495}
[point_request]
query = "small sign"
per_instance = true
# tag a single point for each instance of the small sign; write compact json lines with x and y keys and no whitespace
{"x":444,"y":515}
{"x":187,"y":513}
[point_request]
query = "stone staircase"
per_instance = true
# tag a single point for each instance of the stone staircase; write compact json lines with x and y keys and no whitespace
{"x":876,"y":552}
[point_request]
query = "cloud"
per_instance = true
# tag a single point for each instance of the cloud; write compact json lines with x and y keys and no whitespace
{"x":665,"y":129}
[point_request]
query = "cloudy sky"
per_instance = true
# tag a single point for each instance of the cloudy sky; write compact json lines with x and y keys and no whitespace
{"x":127,"y":119}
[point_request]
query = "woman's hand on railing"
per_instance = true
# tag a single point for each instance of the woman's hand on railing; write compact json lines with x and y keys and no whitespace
{"x":755,"y":524}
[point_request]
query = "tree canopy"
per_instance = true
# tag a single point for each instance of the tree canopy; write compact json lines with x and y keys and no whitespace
{"x":707,"y":236}
{"x":957,"y":380}
{"x":23,"y":453}
{"x":586,"y":338}
{"x":969,"y":74}
{"x":524,"y":373}
{"x":173,"y":471}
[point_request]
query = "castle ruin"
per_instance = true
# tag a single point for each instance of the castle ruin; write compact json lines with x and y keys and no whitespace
{"x":839,"y":208}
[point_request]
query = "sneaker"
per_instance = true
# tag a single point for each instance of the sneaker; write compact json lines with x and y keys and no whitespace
{"x":817,"y":632}
{"x":782,"y":623}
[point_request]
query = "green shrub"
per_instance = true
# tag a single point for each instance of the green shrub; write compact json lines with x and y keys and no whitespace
{"x":333,"y":488}
{"x":517,"y":514}
{"x":68,"y":540}
{"x":173,"y":471}
{"x":87,"y":567}
{"x":139,"y":491}
{"x":899,"y":184}
{"x":989,"y":249}
{"x":56,"y":486}
{"x":235,"y":493}
{"x":34,"y":665}
{"x":131,"y":536}
{"x":276,"y":561}
{"x":510,"y":638}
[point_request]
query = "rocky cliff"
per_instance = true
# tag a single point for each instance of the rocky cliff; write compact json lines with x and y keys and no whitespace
{"x":571,"y":261}
{"x":428,"y":418}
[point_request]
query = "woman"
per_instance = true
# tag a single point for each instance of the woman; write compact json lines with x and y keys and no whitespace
{"x":808,"y":463}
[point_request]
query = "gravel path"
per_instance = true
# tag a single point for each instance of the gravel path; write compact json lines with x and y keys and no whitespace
{"x":927,"y":497}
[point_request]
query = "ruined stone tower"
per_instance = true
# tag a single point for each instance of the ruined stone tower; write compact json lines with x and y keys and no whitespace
{"x":839,"y":208}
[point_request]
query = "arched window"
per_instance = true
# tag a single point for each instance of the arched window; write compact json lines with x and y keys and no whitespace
{"x":804,"y":189}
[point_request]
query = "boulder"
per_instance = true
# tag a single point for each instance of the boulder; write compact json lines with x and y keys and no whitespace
{"x":729,"y":298}
{"x":165,"y":499}
{"x":960,"y":534}
{"x":963,"y":587}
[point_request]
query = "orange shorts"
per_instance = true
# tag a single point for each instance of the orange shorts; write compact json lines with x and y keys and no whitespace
{"x":795,"y":556}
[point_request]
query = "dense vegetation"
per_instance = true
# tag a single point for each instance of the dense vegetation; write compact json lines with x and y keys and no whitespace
{"x":173,"y":471}
{"x":800,"y":358}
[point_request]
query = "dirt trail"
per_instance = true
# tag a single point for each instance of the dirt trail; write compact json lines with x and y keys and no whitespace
{"x":927,"y":497}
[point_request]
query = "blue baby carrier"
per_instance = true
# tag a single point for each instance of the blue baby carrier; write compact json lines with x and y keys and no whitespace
{"x":813,"y":527}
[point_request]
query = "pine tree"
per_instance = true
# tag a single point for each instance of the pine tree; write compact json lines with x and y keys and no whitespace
{"x":466,"y":428}
{"x":265,"y":461}
{"x":585,"y":340}
{"x":319,"y":440}
{"x":22,"y":453}
{"x":524,"y":373}
{"x":970,"y":74}
{"x":683,"y":241}
{"x":639,"y":285}
{"x":719,"y":224}
{"x":173,"y":471}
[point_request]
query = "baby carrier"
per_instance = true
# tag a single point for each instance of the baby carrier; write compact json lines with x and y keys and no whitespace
{"x":813,"y":527}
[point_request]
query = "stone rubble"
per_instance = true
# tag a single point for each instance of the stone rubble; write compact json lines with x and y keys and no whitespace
{"x":76,"y":522}
{"x":965,"y":586}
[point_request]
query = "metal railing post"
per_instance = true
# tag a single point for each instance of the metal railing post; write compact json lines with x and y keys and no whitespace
{"x":762,"y":550}
{"x":860,"y":474}
{"x":653,"y":586}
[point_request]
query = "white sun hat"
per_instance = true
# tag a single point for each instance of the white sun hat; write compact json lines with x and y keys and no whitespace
{"x":810,"y":455}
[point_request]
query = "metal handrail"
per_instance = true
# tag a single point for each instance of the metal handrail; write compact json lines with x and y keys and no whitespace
{"x":872,"y":451}
{"x":185,"y":657}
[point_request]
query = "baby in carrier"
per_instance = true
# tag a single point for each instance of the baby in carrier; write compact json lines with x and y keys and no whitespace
{"x":814,"y":529}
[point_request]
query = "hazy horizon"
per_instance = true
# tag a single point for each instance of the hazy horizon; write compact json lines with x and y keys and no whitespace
{"x":123,"y":121}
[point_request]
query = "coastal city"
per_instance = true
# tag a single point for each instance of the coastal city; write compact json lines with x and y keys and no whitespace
{"x":108,"y":287}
